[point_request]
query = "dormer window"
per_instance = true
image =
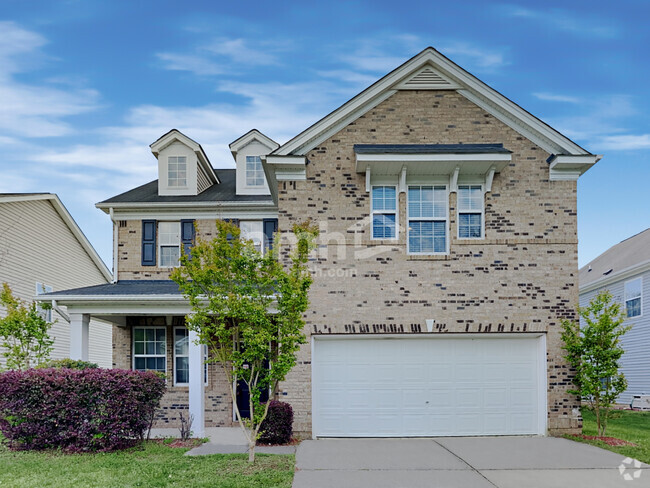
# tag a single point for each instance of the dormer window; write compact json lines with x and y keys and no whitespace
{"x":254,"y":171}
{"x":177,"y":171}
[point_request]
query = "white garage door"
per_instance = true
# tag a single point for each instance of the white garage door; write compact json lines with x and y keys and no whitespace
{"x":393,"y":387}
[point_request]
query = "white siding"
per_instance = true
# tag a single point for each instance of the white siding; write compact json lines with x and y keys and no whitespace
{"x":36,"y":245}
{"x":202,"y":180}
{"x":635,"y":363}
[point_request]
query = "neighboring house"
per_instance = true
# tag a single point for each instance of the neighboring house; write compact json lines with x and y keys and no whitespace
{"x":42,"y":249}
{"x":624,"y":270}
{"x":447,"y":258}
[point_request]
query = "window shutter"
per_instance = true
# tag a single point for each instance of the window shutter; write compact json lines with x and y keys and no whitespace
{"x":187,"y":235}
{"x":270,"y":228}
{"x":232,"y":221}
{"x":148,"y":243}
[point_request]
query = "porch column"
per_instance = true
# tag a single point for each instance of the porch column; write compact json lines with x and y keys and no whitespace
{"x":197,"y":389}
{"x":79,"y":323}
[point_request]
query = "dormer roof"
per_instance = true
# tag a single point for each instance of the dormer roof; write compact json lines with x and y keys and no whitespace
{"x":252,"y":135}
{"x":176,"y":135}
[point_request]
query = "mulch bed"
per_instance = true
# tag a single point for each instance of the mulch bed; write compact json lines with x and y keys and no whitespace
{"x":610,"y":441}
{"x":190,"y":443}
{"x":293,"y":442}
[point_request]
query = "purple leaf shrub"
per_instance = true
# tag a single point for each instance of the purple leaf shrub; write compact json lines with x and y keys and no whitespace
{"x":77,"y":410}
{"x":277,"y":427}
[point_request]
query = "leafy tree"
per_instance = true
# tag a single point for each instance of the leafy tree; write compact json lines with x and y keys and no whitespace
{"x":232,"y":288}
{"x":23,"y":332}
{"x":594,"y":351}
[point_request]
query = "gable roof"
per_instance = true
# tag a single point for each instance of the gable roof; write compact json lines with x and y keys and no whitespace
{"x":175,"y":135}
{"x":252,"y":135}
{"x":67,"y":219}
{"x":432,"y":70}
{"x":625,"y":259}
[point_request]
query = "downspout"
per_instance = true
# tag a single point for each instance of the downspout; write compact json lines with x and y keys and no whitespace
{"x":115,"y":254}
{"x":58,"y":310}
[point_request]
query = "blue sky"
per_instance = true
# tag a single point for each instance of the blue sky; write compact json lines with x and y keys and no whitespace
{"x":86,"y":86}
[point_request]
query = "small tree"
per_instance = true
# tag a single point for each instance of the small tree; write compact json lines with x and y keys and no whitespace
{"x":23,"y":332}
{"x":232,"y":288}
{"x":594,"y":351}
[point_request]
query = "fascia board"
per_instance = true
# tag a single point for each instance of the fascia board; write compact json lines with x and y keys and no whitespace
{"x":250,"y":136}
{"x":217,"y":204}
{"x":614,"y":277}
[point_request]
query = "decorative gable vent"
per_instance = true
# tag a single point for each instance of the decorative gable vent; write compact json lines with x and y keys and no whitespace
{"x":427,"y":79}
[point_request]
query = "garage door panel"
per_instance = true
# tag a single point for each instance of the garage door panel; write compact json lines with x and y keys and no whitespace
{"x":426,"y":387}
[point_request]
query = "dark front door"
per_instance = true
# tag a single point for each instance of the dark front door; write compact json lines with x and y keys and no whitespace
{"x":243,"y":398}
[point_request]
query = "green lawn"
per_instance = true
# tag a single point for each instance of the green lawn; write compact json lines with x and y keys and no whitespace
{"x":627,"y":425}
{"x":153,"y":465}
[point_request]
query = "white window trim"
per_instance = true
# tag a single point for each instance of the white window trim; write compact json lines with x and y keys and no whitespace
{"x":134,"y":355}
{"x":263,"y":237}
{"x":42,"y":288}
{"x":246,"y":185}
{"x":161,"y":245}
{"x":169,"y":185}
{"x":482,"y":213}
{"x":640,"y":297}
{"x":384,"y":212}
{"x":174,"y":356}
{"x":432,"y":219}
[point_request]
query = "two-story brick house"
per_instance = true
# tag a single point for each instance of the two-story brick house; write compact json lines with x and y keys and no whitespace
{"x":447,"y":258}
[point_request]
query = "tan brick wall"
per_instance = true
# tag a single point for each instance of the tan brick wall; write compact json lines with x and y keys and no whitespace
{"x":521,"y":278}
{"x":218,"y":403}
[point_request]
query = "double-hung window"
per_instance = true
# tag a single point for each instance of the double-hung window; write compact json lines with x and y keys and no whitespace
{"x":177,"y":171}
{"x":252,"y":230}
{"x":150,"y":349}
{"x":182,"y":357}
{"x":633,"y":297}
{"x":427,"y":219}
{"x":470,"y":211}
{"x":169,"y":238}
{"x":384,"y":212}
{"x":254,"y":171}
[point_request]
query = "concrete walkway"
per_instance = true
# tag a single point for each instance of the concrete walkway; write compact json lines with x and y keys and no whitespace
{"x":467,"y":462}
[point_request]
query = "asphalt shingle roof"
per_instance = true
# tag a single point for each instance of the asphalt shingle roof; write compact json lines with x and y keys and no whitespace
{"x":121,"y":288}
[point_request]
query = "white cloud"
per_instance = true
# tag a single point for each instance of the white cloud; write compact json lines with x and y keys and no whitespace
{"x":473,"y":56}
{"x":625,"y":142}
{"x":199,"y":65}
{"x":582,"y":24}
{"x":240,"y":53}
{"x":552,"y":97}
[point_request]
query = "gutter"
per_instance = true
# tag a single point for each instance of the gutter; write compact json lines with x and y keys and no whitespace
{"x":618,"y":276}
{"x":58,"y":310}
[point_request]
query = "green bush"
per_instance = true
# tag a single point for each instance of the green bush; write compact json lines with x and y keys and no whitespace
{"x":69,"y":364}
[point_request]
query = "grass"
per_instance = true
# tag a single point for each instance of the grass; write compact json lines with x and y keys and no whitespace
{"x":152,"y":465}
{"x":624,"y":424}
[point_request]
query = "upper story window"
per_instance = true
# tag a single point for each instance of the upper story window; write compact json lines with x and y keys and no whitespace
{"x":254,"y":171}
{"x":40,"y":290}
{"x":427,"y":219}
{"x":253,"y":230}
{"x":470,"y":211}
{"x":384,"y":212}
{"x":633,"y":293}
{"x":150,"y":349}
{"x":169,"y":238}
{"x":177,"y":171}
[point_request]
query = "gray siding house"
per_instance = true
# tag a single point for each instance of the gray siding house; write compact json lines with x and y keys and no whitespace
{"x":624,"y":270}
{"x":51,"y":254}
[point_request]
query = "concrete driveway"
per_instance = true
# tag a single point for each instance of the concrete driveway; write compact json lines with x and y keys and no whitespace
{"x":467,"y":462}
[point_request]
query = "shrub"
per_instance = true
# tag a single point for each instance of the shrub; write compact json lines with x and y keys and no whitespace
{"x":277,"y":427}
{"x":77,"y":410}
{"x":68,"y":363}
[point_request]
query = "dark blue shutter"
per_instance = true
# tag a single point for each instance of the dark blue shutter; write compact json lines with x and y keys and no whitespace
{"x":187,"y":235}
{"x":270,"y":228}
{"x":148,"y":243}
{"x":232,"y":221}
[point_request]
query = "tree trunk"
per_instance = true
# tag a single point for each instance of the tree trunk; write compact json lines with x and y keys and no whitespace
{"x":251,"y":451}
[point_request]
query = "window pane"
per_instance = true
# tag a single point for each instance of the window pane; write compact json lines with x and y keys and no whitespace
{"x":176,"y":171}
{"x":440,"y":202}
{"x":140,"y":364}
{"x":182,"y":370}
{"x":383,"y":226}
{"x":181,"y":342}
{"x":169,"y":256}
{"x":470,"y":197}
{"x":138,"y":348}
{"x":252,"y":230}
{"x":254,"y":171}
{"x":138,"y":335}
{"x":169,"y":233}
{"x":633,"y":307}
{"x":633,"y":289}
{"x":383,"y":198}
{"x":469,"y":226}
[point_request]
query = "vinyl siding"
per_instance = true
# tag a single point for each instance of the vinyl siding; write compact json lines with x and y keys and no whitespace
{"x":36,"y":245}
{"x":635,"y":363}
{"x":203,"y":183}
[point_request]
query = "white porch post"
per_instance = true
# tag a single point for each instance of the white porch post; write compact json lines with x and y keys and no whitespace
{"x":197,"y":392}
{"x":79,"y":323}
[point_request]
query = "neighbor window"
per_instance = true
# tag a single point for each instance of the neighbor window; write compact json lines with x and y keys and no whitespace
{"x":427,"y":219}
{"x":177,"y":171}
{"x":150,"y":349}
{"x":470,"y":211}
{"x":254,"y":171}
{"x":46,"y":313}
{"x":169,"y":238}
{"x":253,"y":230}
{"x":633,"y":297}
{"x":182,"y":357}
{"x":384,"y":212}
